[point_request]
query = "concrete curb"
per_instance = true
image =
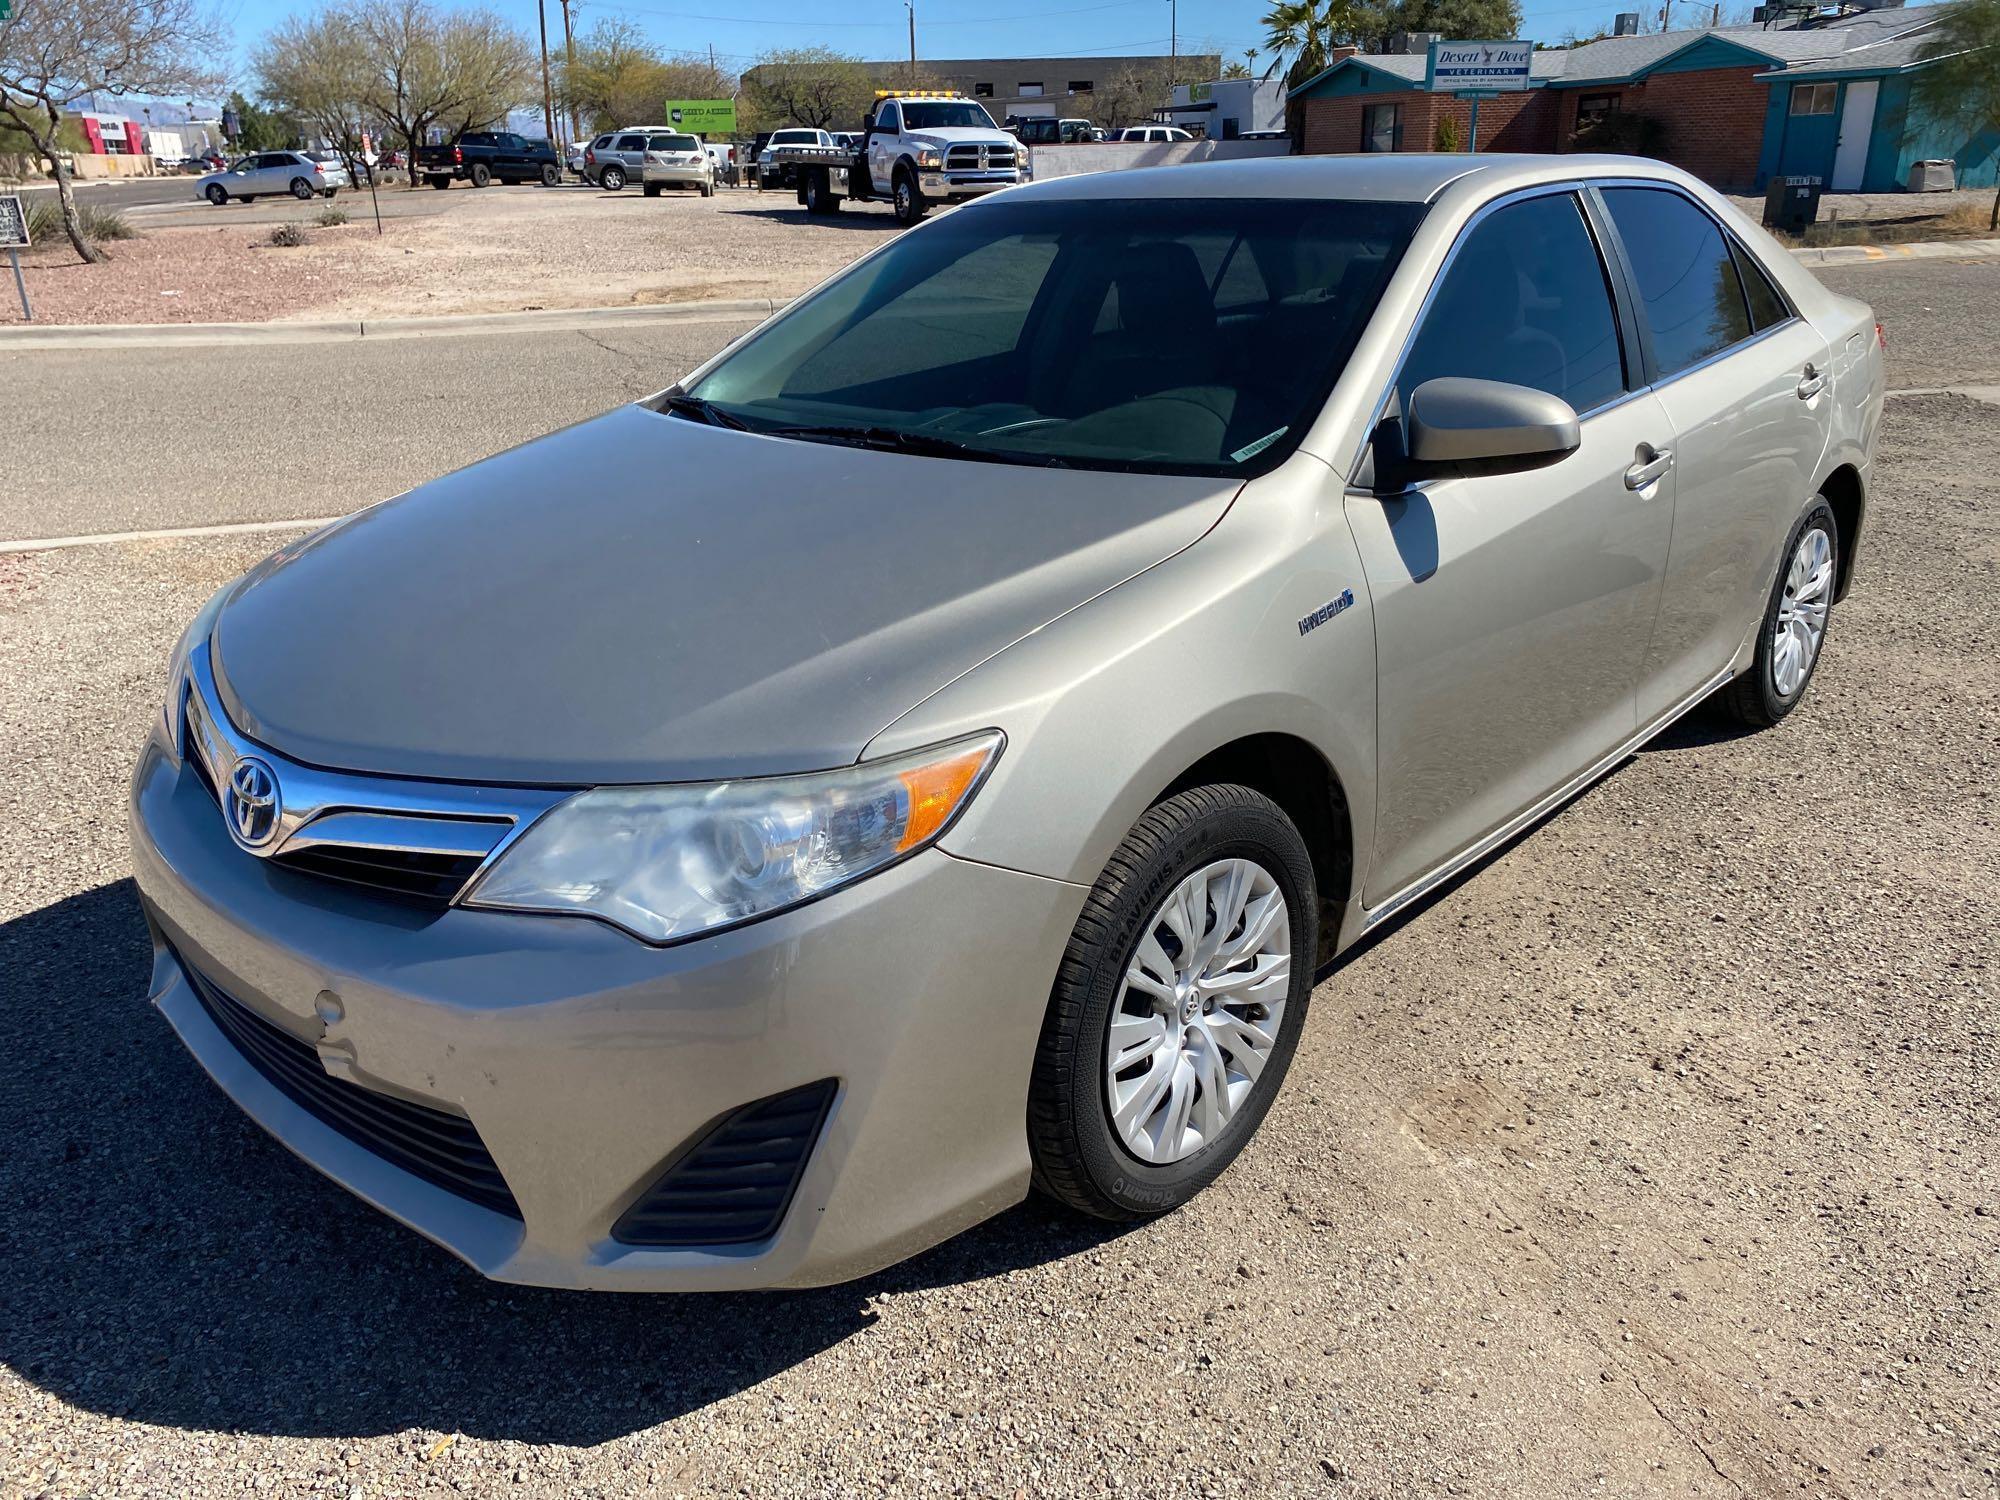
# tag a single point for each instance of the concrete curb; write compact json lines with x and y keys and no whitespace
{"x":1854,"y":255}
{"x":551,"y":320}
{"x":733,"y":309}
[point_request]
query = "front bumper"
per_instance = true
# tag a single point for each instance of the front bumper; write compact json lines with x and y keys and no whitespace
{"x":965,"y":184}
{"x":585,"y":1059}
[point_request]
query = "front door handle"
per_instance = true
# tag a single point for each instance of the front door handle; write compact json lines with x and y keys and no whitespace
{"x":1646,"y":470}
{"x":1811,"y":384}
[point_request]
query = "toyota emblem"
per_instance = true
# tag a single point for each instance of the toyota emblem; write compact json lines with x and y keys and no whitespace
{"x":253,"y":802}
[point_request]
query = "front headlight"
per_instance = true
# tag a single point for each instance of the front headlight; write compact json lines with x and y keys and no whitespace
{"x":671,"y":862}
{"x":196,"y":632}
{"x":930,"y":161}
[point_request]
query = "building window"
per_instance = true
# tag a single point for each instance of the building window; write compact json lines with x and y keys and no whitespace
{"x":1590,"y":108}
{"x":1814,"y":98}
{"x":982,"y":91}
{"x":1080,"y":86}
{"x":1028,"y":90}
{"x":1382,"y":127}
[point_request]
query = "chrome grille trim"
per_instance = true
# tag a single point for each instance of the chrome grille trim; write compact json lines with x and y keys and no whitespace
{"x":331,"y":810}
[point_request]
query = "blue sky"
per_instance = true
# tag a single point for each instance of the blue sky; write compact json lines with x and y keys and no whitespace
{"x":945,"y":28}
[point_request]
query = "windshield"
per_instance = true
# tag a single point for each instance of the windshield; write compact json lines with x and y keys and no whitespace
{"x":1193,"y":335}
{"x":796,"y":138}
{"x":942,"y":114}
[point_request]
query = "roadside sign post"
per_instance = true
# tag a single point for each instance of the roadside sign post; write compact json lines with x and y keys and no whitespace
{"x":14,"y":235}
{"x":1476,"y":71}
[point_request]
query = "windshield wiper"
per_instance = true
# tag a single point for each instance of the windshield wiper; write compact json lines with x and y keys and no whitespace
{"x":920,"y":444}
{"x":706,"y":411}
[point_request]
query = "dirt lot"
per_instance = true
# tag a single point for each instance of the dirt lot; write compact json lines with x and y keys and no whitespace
{"x":465,"y":251}
{"x":1654,"y":1159}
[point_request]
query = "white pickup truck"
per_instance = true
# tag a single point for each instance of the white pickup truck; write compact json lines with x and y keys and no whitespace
{"x":920,"y":148}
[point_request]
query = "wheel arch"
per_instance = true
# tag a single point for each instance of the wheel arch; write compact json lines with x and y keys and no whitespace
{"x":1293,"y":773}
{"x":1844,"y":492}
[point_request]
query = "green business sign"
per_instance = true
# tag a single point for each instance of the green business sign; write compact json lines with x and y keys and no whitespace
{"x":702,"y":116}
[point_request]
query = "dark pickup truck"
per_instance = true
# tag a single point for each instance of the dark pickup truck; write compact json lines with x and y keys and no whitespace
{"x":483,"y":156}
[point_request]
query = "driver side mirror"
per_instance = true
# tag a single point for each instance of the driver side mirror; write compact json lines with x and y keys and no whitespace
{"x":1457,"y":427}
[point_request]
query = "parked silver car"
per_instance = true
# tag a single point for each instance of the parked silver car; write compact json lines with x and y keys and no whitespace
{"x":932,"y":748}
{"x":271,"y":174}
{"x":655,"y":158}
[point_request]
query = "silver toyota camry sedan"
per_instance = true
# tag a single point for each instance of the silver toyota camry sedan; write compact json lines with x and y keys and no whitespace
{"x":930,"y":750}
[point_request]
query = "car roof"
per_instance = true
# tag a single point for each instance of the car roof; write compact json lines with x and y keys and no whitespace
{"x":1390,"y":177}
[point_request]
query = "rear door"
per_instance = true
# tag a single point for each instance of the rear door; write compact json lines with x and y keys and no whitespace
{"x":630,"y":149}
{"x":1744,"y":383}
{"x":1512,"y":612}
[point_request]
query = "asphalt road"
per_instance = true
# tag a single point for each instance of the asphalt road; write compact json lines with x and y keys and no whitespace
{"x":1654,"y":1159}
{"x":361,"y":420}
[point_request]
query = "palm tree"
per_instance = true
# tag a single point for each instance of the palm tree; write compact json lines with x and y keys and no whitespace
{"x":1308,"y":29}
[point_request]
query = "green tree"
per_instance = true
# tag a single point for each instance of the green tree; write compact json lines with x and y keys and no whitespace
{"x":1959,"y":84}
{"x":457,"y":70}
{"x":261,"y":129}
{"x":316,"y":71}
{"x":1456,"y":20}
{"x":621,"y":78}
{"x":813,"y":86}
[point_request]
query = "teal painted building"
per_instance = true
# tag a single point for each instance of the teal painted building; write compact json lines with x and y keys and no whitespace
{"x":1852,"y":121}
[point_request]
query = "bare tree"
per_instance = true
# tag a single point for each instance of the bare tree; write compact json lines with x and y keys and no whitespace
{"x":1959,"y":83}
{"x":316,"y":71}
{"x":426,"y":66}
{"x":54,"y":51}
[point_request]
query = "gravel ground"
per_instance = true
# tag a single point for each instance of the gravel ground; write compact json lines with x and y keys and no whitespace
{"x":465,"y":251}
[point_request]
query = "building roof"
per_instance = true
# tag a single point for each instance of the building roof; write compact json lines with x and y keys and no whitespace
{"x":1873,"y":41}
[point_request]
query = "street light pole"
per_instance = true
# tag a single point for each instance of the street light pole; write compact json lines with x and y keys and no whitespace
{"x":569,"y":75}
{"x":1173,"y":42}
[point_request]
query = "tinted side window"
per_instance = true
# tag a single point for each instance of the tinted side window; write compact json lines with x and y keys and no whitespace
{"x":1687,"y":279}
{"x":1767,"y":308}
{"x":1525,"y":300}
{"x":631,"y":143}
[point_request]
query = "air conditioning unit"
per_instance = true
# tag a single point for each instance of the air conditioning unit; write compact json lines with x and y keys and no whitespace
{"x":1625,"y":23}
{"x":1413,"y":43}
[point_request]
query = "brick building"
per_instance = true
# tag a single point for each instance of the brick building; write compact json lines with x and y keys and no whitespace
{"x":1733,"y":105}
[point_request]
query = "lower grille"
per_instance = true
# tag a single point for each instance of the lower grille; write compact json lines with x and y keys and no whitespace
{"x":428,"y":877}
{"x":734,"y":1185}
{"x":443,"y":1149}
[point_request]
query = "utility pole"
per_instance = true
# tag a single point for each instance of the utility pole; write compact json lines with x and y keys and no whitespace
{"x":1173,"y":43}
{"x":909,"y":6}
{"x":548,"y":99}
{"x":569,"y":72}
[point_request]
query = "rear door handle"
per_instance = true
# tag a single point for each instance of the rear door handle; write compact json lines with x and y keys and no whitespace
{"x":1811,"y":384}
{"x":1642,"y":474}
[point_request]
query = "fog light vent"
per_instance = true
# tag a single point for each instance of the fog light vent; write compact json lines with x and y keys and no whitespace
{"x":733,"y":1185}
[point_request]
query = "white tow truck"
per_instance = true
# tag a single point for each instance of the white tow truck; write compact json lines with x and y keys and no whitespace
{"x":920,"y":148}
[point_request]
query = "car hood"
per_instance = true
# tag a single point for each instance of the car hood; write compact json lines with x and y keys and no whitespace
{"x":645,"y":598}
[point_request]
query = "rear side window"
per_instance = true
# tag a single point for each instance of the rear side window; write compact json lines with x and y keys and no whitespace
{"x":1525,"y":300}
{"x":631,"y":143}
{"x":1767,"y":308}
{"x":1688,"y":285}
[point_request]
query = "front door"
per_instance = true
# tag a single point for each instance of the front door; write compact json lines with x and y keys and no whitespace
{"x":1512,"y":612}
{"x":884,"y":144}
{"x":1857,"y":124}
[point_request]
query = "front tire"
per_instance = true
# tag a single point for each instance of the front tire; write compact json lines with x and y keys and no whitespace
{"x":1792,"y":635}
{"x":909,"y":198}
{"x":216,"y":194}
{"x":1177,"y":1007}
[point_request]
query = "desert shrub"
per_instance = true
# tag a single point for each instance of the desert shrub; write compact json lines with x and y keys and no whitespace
{"x":1447,"y":134}
{"x":328,"y":217}
{"x":289,"y":234}
{"x":99,"y":224}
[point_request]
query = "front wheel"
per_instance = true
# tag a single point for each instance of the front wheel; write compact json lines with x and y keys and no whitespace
{"x":302,"y":190}
{"x":216,"y":194}
{"x":1177,"y":1007}
{"x":1793,"y":630}
{"x":909,"y":199}
{"x":611,"y":179}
